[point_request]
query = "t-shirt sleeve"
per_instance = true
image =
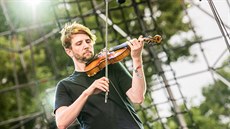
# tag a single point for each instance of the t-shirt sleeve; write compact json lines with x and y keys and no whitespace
{"x":61,"y":96}
{"x":124,"y":77}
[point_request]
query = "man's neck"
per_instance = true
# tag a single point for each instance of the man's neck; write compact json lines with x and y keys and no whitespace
{"x":80,"y":67}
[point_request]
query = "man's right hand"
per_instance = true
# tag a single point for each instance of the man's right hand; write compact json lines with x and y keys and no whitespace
{"x":65,"y":115}
{"x":98,"y":86}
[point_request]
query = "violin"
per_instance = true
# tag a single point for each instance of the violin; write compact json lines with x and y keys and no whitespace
{"x":114,"y":55}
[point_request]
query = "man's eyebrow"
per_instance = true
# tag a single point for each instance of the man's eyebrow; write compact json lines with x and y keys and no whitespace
{"x":79,"y":41}
{"x":82,"y":40}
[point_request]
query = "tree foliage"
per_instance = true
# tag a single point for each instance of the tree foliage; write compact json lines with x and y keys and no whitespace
{"x":214,"y":111}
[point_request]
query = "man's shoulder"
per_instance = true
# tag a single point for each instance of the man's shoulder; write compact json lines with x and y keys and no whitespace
{"x":65,"y":80}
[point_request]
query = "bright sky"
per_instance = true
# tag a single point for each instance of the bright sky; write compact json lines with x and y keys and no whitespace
{"x":191,"y":86}
{"x":208,"y":28}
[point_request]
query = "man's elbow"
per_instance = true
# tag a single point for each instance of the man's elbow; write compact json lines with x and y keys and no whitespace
{"x":61,"y":126}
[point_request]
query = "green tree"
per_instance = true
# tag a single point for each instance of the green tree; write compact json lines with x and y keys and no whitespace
{"x":214,"y":111}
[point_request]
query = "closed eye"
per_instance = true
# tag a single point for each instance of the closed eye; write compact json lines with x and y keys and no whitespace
{"x":88,"y":40}
{"x":78,"y":43}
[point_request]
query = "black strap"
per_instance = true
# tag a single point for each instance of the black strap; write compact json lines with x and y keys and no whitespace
{"x":139,"y":125}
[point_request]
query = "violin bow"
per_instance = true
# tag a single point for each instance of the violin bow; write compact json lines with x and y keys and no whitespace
{"x":106,"y":46}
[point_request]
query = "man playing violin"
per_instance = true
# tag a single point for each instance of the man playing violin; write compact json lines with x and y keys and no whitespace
{"x":83,"y":97}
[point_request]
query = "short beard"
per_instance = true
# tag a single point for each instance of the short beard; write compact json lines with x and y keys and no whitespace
{"x":83,"y":59}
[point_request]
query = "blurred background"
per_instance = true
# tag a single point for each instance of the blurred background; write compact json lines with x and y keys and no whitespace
{"x":187,"y":74}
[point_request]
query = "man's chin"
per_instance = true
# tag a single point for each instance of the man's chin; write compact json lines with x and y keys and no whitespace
{"x":89,"y":58}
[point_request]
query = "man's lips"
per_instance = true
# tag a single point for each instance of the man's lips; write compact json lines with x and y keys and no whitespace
{"x":87,"y":52}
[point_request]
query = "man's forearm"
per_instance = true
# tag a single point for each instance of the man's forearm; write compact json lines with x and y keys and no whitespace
{"x":66,"y":115}
{"x":138,"y":89}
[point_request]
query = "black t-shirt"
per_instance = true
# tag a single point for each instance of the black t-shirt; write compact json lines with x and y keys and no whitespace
{"x":96,"y":114}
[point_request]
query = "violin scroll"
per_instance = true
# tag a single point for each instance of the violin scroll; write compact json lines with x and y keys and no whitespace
{"x":155,"y":39}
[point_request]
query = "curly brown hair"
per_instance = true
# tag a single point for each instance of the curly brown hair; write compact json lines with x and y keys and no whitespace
{"x":74,"y":28}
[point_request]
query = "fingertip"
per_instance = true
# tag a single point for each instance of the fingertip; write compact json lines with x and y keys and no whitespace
{"x":129,"y":43}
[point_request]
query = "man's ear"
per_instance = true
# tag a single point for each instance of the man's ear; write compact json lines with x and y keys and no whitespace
{"x":69,"y":52}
